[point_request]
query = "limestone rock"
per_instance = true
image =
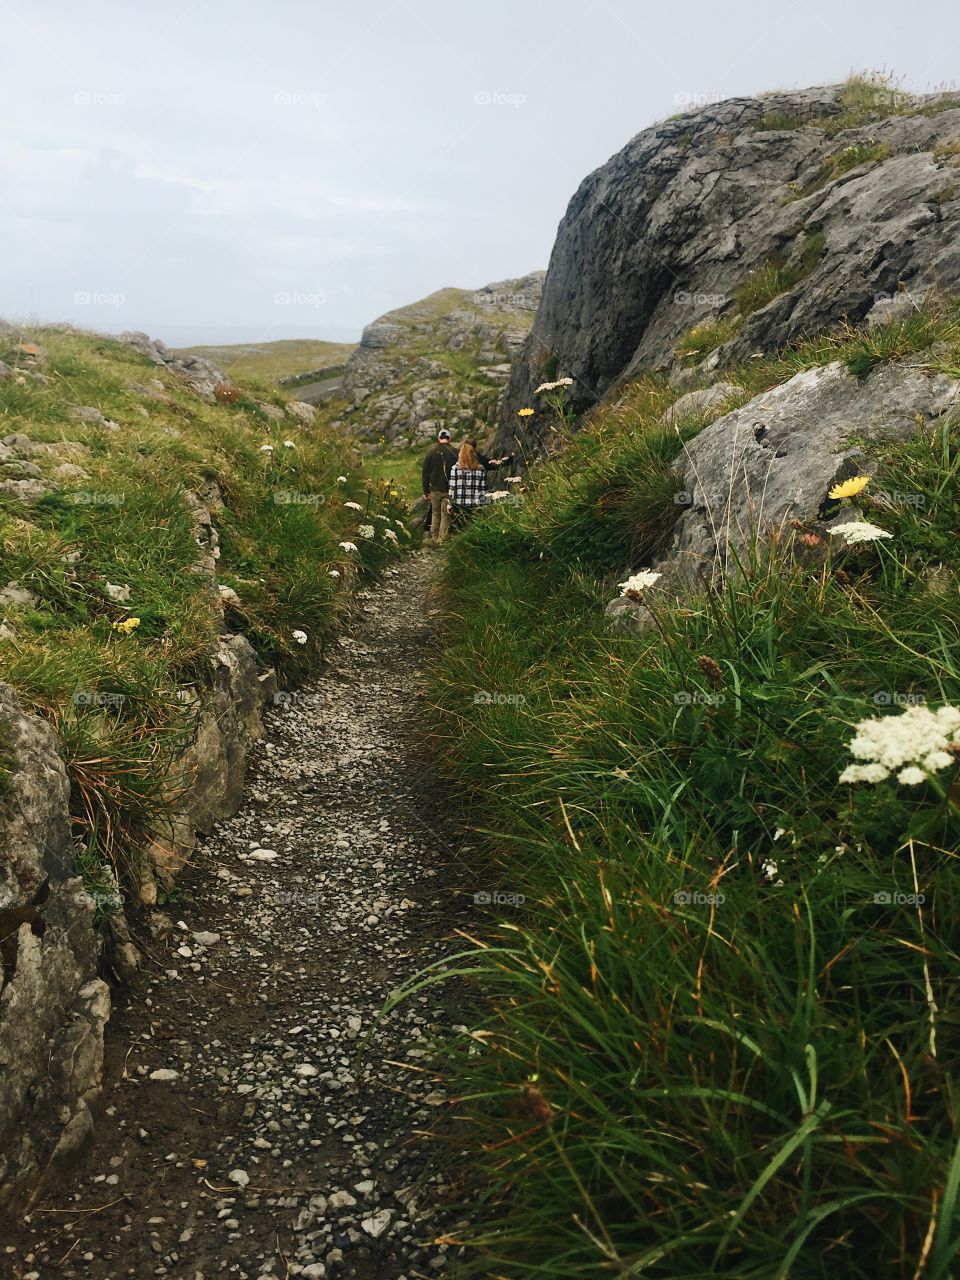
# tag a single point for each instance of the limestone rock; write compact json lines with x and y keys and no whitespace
{"x":660,"y":238}
{"x":53,"y":1007}
{"x":699,"y":402}
{"x":775,"y":458}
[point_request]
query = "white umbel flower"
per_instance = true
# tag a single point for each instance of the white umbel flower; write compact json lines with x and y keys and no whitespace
{"x":354,"y":506}
{"x":855,"y":531}
{"x":913,"y":744}
{"x":300,"y":637}
{"x":348,"y":546}
{"x":365,"y":530}
{"x":639,"y":581}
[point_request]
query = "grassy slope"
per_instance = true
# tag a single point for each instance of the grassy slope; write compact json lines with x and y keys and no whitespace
{"x":267,"y":362}
{"x":760,"y":1083}
{"x":136,"y":532}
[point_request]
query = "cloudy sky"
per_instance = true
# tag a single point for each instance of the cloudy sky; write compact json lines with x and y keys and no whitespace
{"x":235,"y":170}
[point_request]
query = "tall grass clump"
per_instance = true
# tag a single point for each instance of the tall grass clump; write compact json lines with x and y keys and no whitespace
{"x":724,"y":1026}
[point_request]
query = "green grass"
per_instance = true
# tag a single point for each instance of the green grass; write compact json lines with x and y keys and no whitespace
{"x":117,"y":699}
{"x":268,"y":362}
{"x":778,"y":275}
{"x":741,"y":1083}
{"x":842,"y":162}
{"x":698,"y":342}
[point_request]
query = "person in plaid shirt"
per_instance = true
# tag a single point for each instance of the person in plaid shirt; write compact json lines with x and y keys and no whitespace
{"x":468,"y":481}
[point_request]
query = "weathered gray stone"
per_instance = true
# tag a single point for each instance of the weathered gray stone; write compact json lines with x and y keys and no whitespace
{"x":201,"y":375}
{"x":775,"y":458}
{"x":52,"y":1004}
{"x":700,"y":402}
{"x":661,"y":237}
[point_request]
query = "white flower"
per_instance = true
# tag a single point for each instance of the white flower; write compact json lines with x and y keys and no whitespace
{"x":770,"y":868}
{"x":639,"y":581}
{"x":354,"y":506}
{"x":348,"y":546}
{"x":512,"y":479}
{"x":918,"y":741}
{"x":266,"y":448}
{"x":334,"y":573}
{"x":341,"y":479}
{"x":300,"y":637}
{"x":288,"y":444}
{"x":365,"y":530}
{"x":401,"y":525}
{"x":778,"y":833}
{"x":859,"y":531}
{"x":388,"y":533}
{"x":552,"y":386}
{"x":864,"y":773}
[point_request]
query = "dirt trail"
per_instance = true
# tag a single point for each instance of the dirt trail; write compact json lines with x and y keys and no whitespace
{"x":270,"y":1154}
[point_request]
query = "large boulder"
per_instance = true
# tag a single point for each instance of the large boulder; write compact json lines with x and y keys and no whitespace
{"x":774,"y":460}
{"x":53,"y":1007}
{"x":661,"y":238}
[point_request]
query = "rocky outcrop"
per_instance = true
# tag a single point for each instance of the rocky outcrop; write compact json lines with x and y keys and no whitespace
{"x":441,"y":361}
{"x":759,"y":212}
{"x":203,"y":376}
{"x":774,"y":460}
{"x":52,"y":1004}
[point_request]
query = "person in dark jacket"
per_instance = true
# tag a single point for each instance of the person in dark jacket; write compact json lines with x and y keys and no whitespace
{"x":436,"y":484}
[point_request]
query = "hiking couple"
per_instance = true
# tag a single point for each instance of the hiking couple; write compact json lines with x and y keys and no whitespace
{"x":455,"y":482}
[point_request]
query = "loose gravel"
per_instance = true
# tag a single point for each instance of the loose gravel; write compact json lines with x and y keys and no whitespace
{"x":239,"y":1133}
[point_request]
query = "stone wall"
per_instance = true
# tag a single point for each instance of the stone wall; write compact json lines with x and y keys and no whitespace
{"x":53,"y":1004}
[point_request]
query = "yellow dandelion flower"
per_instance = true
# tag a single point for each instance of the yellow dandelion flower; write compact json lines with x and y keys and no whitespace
{"x":127,"y":625}
{"x":850,"y":488}
{"x":525,"y":413}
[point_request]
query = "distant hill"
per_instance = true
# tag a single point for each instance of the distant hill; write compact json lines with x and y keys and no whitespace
{"x":442,"y":360}
{"x":272,"y":361}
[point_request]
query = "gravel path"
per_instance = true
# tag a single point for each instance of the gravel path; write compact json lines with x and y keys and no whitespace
{"x":237,"y":1135}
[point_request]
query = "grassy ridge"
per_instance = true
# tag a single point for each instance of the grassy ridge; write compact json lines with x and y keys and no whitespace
{"x":121,"y":620}
{"x":720,"y":1043}
{"x":268,"y":362}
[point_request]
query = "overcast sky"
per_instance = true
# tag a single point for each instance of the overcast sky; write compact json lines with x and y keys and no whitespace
{"x":238,"y":170}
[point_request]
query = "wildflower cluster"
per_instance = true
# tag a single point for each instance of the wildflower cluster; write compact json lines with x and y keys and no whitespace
{"x":915,"y":744}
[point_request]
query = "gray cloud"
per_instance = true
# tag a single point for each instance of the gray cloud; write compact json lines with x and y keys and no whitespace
{"x":223,"y":170}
